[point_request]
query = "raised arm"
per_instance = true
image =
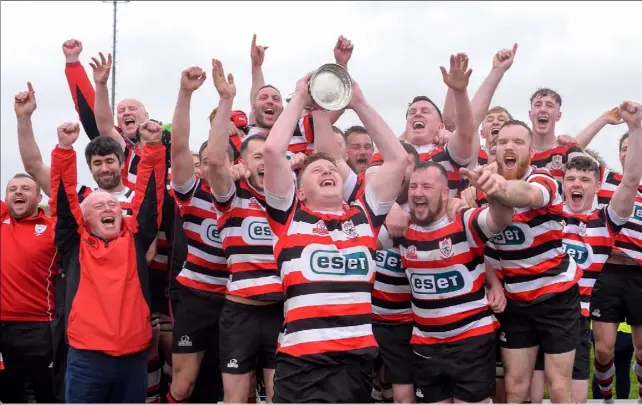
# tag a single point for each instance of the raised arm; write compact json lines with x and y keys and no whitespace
{"x":625,"y":193}
{"x":25,"y":105}
{"x":102,"y":110}
{"x":448,"y":114}
{"x":182,"y":162}
{"x":82,"y":91}
{"x":386,"y":181}
{"x":220,"y":177}
{"x":342,"y":55}
{"x":257,"y":55}
{"x":278,"y":179}
{"x":611,"y":117}
{"x":480,"y":103}
{"x":325,"y":141}
{"x":147,"y":205}
{"x":64,"y":206}
{"x":463,"y":145}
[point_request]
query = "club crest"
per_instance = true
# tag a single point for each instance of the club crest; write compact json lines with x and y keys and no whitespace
{"x":446,"y":247}
{"x":557,"y":162}
{"x":582,"y":229}
{"x":349,"y":229}
{"x":254,"y":203}
{"x":412,"y":252}
{"x":39,"y":229}
{"x":320,"y":229}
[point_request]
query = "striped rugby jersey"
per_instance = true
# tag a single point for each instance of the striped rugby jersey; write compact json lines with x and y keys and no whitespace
{"x":529,"y":252}
{"x":555,"y":159}
{"x":629,"y":241}
{"x":439,"y":154}
{"x":391,"y":296}
{"x":482,"y":158}
{"x":302,"y":140}
{"x":327,"y":264}
{"x":445,"y":266}
{"x":247,"y":243}
{"x":205,"y":268}
{"x":589,"y":239}
{"x":124,"y":198}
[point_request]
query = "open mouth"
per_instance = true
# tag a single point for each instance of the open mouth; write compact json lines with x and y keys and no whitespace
{"x":260,"y":173}
{"x":418,"y":125}
{"x":542,"y":120}
{"x":494,"y":131}
{"x":362,"y":161}
{"x":576,"y":197}
{"x":108,"y":220}
{"x":269,"y":112}
{"x":19,"y":201}
{"x":510,"y":162}
{"x":129,"y":121}
{"x":328,"y":183}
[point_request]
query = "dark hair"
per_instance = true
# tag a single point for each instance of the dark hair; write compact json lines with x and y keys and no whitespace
{"x":585,"y":164}
{"x":201,"y":149}
{"x":426,"y":164}
{"x":338,"y":131}
{"x":356,"y":129}
{"x":246,"y":141}
{"x":104,"y":146}
{"x":517,"y":123}
{"x":622,"y":139}
{"x":230,"y":151}
{"x":25,"y":176}
{"x":311,"y":159}
{"x":411,"y":149}
{"x":543,"y":92}
{"x":424,"y":98}
{"x":213,"y":114}
{"x":267,"y":85}
{"x":499,"y":109}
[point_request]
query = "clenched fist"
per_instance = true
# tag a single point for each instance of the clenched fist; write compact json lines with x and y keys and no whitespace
{"x":68,"y":134}
{"x":192,"y":78}
{"x":25,"y":102}
{"x":150,"y":131}
{"x":101,"y":68}
{"x":631,"y":113}
{"x":343,"y":51}
{"x":72,"y":49}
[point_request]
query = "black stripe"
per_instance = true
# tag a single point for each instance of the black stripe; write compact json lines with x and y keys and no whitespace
{"x":449,"y":302}
{"x":390,"y":304}
{"x":207,"y":272}
{"x":328,"y":322}
{"x":531,"y":252}
{"x":555,"y":271}
{"x":210,"y":250}
{"x":334,"y":287}
{"x":390,"y":280}
{"x":542,"y":219}
{"x":249,"y":249}
{"x":295,"y":252}
{"x":454,"y":325}
{"x":431,"y":245}
{"x":254,"y":274}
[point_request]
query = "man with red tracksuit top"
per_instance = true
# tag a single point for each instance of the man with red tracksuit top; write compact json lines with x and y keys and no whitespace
{"x":104,"y":256}
{"x":29,"y":262}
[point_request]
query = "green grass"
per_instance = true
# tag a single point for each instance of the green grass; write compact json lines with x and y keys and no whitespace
{"x":633,"y":394}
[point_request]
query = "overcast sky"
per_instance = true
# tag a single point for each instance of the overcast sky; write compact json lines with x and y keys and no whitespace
{"x":589,"y":52}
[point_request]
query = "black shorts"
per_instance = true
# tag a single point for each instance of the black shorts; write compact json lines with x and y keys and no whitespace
{"x":552,"y":324}
{"x":617,"y":295}
{"x":464,"y":370}
{"x":582,"y":364}
{"x":345,"y":380}
{"x":249,"y":333}
{"x":395,"y":350}
{"x":196,"y":322}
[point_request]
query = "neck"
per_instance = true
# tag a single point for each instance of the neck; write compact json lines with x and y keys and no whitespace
{"x":324,"y":206}
{"x":27,"y":216}
{"x":116,"y":189}
{"x":419,"y":140}
{"x":544,"y":141}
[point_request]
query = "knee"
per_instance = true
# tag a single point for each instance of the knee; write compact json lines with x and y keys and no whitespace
{"x":516,"y":387}
{"x":638,"y":354}
{"x":183,"y":381}
{"x":559,"y":386}
{"x":604,"y":352}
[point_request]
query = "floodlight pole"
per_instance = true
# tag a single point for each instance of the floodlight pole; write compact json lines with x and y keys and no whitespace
{"x":113,"y":53}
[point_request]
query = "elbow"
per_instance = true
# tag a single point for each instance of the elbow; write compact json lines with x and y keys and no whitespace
{"x":449,"y":124}
{"x":271,"y":152}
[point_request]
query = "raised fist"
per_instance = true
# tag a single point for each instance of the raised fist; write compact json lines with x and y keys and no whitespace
{"x":257,"y":53}
{"x":631,"y":113}
{"x":72,"y":49}
{"x":503,"y":60}
{"x":192,"y":78}
{"x":25,"y":102}
{"x":225,"y":87}
{"x":458,"y":76}
{"x":68,"y":134}
{"x":150,"y":131}
{"x":101,"y":68}
{"x":343,"y":51}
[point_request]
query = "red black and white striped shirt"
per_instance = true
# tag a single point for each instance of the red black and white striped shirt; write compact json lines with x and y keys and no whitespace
{"x":205,"y":269}
{"x":555,"y":159}
{"x":247,"y":243}
{"x":529,"y":252}
{"x":445,"y":266}
{"x":589,"y":239}
{"x":327,"y":263}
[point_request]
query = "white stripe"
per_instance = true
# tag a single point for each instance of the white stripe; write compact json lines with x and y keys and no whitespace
{"x":327,"y":299}
{"x":192,"y":275}
{"x":455,"y":332}
{"x":322,"y":335}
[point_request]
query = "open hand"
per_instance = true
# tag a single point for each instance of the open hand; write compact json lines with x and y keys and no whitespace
{"x":101,"y":68}
{"x":458,"y":76}
{"x":225,"y":87}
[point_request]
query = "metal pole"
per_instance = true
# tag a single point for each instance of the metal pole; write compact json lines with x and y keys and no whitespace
{"x":113,"y":68}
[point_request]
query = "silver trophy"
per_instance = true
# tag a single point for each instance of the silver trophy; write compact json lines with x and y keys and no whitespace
{"x":331,"y":87}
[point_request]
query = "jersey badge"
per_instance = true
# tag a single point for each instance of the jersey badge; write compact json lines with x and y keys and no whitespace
{"x":39,"y":229}
{"x":557,"y":162}
{"x":349,"y":229}
{"x":446,"y":247}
